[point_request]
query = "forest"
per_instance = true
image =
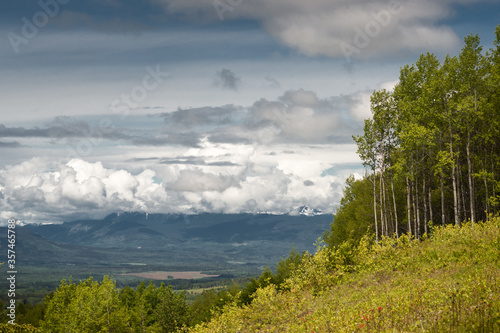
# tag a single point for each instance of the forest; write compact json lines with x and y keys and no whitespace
{"x":431,"y":149}
{"x":414,"y":245}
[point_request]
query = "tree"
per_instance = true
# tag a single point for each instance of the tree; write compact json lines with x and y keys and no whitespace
{"x":367,"y":151}
{"x":89,"y":306}
{"x":471,"y":70}
{"x":438,"y":132}
{"x":354,"y":217}
{"x":171,"y":312}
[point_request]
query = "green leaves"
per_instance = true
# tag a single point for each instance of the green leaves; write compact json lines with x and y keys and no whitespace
{"x":92,"y":307}
{"x":354,"y":217}
{"x":87,"y":307}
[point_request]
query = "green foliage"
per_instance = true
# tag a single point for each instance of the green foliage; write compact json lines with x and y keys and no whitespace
{"x":354,"y":217}
{"x":396,"y":285}
{"x":432,"y":147}
{"x":24,"y":328}
{"x":30,"y":313}
{"x":91,"y":307}
{"x":283,"y":271}
{"x":211,"y":302}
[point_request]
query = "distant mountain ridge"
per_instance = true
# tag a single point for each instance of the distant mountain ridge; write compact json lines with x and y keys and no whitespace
{"x":134,"y":229}
{"x":228,"y":245}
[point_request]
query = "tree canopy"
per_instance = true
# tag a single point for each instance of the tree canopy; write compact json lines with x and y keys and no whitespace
{"x":432,"y":146}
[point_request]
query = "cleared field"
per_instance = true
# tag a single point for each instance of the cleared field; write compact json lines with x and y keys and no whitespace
{"x":171,"y":275}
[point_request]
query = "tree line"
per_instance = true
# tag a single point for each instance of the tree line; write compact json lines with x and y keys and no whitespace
{"x":432,"y":148}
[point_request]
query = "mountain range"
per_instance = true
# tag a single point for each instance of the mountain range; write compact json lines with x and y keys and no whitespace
{"x":155,"y":231}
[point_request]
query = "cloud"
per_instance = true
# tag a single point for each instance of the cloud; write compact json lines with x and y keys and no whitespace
{"x":198,"y":181}
{"x":249,"y":180}
{"x":9,"y":144}
{"x":295,"y":117}
{"x":63,"y":128}
{"x":48,"y":189}
{"x":82,"y":138}
{"x":188,"y":139}
{"x":271,"y":83}
{"x":226,"y":79}
{"x":360,"y":106}
{"x":314,"y":28}
{"x":202,"y":116}
{"x":50,"y":132}
{"x":298,"y":115}
{"x":323,"y":27}
{"x":195,"y":160}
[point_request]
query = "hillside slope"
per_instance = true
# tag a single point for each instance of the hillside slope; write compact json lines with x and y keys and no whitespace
{"x":448,"y":283}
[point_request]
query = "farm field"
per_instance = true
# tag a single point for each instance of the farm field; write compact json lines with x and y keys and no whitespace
{"x":171,"y":275}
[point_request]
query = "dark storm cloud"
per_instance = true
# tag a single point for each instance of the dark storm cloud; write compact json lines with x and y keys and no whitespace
{"x":203,"y":116}
{"x":64,"y":128}
{"x":9,"y":144}
{"x":308,"y":183}
{"x":72,"y":131}
{"x":226,"y":79}
{"x":50,"y":132}
{"x":185,"y":160}
{"x":109,"y":15}
{"x":190,"y":139}
{"x":231,"y":138}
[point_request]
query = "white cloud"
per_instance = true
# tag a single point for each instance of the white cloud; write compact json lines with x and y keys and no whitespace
{"x":263,"y":178}
{"x":389,"y":86}
{"x":361,"y":109}
{"x":74,"y":188}
{"x":198,"y":181}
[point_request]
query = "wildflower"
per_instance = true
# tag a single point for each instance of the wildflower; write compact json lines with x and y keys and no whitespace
{"x":379,"y":308}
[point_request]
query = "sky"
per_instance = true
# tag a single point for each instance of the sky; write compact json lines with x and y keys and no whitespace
{"x":190,"y":106}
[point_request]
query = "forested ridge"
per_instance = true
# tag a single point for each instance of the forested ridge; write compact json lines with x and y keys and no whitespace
{"x":414,"y":246}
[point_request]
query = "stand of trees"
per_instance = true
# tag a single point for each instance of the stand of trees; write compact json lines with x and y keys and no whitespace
{"x":432,"y":148}
{"x":90,"y":306}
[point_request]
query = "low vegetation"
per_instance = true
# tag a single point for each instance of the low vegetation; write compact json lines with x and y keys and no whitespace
{"x":449,"y":282}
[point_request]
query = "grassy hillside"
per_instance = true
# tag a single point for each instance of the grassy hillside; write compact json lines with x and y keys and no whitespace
{"x":449,"y":282}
